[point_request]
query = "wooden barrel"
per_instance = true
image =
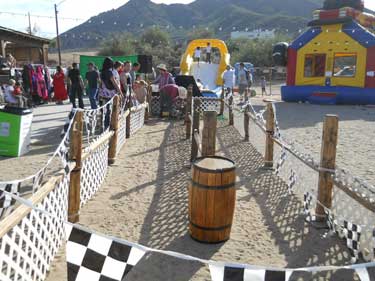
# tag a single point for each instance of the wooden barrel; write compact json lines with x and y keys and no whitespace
{"x":212,"y":197}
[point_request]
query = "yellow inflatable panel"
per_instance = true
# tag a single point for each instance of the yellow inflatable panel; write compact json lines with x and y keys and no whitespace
{"x":332,"y":43}
{"x":187,"y":58}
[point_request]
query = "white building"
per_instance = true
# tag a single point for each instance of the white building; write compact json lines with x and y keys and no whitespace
{"x":254,"y":34}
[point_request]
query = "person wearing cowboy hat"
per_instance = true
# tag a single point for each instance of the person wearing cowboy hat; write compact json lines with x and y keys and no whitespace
{"x":164,"y":78}
{"x":167,"y":88}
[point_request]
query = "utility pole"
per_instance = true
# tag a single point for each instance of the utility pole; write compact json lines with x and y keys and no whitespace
{"x":29,"y":23}
{"x":57,"y":35}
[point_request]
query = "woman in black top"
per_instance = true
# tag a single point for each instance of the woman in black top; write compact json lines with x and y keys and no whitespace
{"x":109,"y":86}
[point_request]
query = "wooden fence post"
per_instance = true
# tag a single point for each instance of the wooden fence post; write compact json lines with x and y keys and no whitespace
{"x":128,"y":118}
{"x":246,"y":123}
{"x":270,"y":130}
{"x":327,"y":161}
{"x":188,"y":111}
{"x":148,"y":99}
{"x":231,"y":117}
{"x":75,"y":175}
{"x":196,"y":120}
{"x":112,"y":151}
{"x":222,"y":104}
{"x":209,"y":133}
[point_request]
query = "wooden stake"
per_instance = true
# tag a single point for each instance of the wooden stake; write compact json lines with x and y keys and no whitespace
{"x":75,"y":176}
{"x":196,"y":120}
{"x":128,"y":118}
{"x":209,"y":133}
{"x":112,"y":151}
{"x":246,"y":123}
{"x":222,"y":101}
{"x":270,"y":127}
{"x":231,"y":117}
{"x":188,"y":111}
{"x":327,"y":161}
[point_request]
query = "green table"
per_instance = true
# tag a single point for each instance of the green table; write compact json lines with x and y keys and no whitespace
{"x":15,"y":131}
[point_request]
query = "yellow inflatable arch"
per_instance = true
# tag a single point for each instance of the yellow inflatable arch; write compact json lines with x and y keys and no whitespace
{"x":187,"y":58}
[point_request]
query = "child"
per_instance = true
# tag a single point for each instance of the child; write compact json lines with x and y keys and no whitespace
{"x":208,"y":53}
{"x":197,"y":54}
{"x":263,"y":84}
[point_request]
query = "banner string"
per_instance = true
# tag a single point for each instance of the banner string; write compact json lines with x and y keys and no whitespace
{"x":189,"y":257}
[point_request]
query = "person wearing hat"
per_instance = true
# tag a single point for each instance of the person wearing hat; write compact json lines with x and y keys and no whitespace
{"x":167,"y":88}
{"x":92,"y":84}
{"x":164,"y":78}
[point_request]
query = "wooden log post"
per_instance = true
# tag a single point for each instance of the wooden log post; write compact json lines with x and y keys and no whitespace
{"x":75,"y":175}
{"x":188,"y":111}
{"x":246,"y":123}
{"x":196,"y":120}
{"x":327,"y":161}
{"x":128,"y":118}
{"x":209,"y":133}
{"x":270,"y":130}
{"x":114,"y":126}
{"x":222,"y":104}
{"x":231,"y":116}
{"x":148,"y":99}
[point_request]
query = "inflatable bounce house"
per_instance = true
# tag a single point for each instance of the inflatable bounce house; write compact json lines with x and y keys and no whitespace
{"x":211,"y":75}
{"x":334,"y":61}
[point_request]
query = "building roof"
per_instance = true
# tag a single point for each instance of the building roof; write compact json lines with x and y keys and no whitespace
{"x":4,"y":31}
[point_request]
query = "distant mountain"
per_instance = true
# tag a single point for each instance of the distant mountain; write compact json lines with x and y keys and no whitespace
{"x":223,"y":15}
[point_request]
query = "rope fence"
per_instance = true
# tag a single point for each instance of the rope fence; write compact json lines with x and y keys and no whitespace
{"x":330,"y":194}
{"x":29,"y":240}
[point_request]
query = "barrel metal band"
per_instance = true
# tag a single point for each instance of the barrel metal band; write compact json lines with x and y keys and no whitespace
{"x":211,"y":228}
{"x":213,"y":187}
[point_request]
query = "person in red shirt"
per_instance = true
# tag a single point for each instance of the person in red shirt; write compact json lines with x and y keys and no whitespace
{"x":58,"y":82}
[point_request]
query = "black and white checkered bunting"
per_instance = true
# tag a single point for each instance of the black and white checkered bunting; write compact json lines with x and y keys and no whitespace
{"x":281,"y":162}
{"x":352,"y":234}
{"x":6,"y":201}
{"x":331,"y":222}
{"x":292,"y":180}
{"x":226,"y":273}
{"x":307,"y":204}
{"x":64,"y":155}
{"x":91,"y":257}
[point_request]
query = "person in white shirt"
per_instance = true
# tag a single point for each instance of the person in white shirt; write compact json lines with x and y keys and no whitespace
{"x":8,"y":92}
{"x":197,"y":54}
{"x":208,"y":53}
{"x":229,"y":79}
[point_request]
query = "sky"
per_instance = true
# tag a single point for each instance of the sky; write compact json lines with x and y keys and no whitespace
{"x":71,"y":12}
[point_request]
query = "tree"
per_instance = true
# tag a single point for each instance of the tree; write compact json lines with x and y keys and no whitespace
{"x":200,"y":33}
{"x":119,"y":45}
{"x":155,"y":37}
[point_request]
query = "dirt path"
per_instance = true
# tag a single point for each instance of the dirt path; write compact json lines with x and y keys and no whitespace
{"x":144,"y":200}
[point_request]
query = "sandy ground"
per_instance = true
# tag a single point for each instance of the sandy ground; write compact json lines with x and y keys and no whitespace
{"x":303,"y":124}
{"x":144,"y":200}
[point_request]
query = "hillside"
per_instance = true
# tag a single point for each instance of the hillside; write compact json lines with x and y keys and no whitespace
{"x":223,"y":15}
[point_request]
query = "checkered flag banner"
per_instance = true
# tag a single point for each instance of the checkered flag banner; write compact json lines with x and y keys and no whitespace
{"x":281,"y":162}
{"x":92,"y":257}
{"x":352,"y":234}
{"x":331,"y":222}
{"x":6,"y":201}
{"x":292,"y":180}
{"x":63,"y":153}
{"x":226,"y":273}
{"x":307,"y":202}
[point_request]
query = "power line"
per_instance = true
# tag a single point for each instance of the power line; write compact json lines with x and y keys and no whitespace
{"x":40,"y":16}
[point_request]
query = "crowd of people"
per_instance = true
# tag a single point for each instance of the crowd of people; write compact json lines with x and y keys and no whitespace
{"x":34,"y":85}
{"x":244,"y":79}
